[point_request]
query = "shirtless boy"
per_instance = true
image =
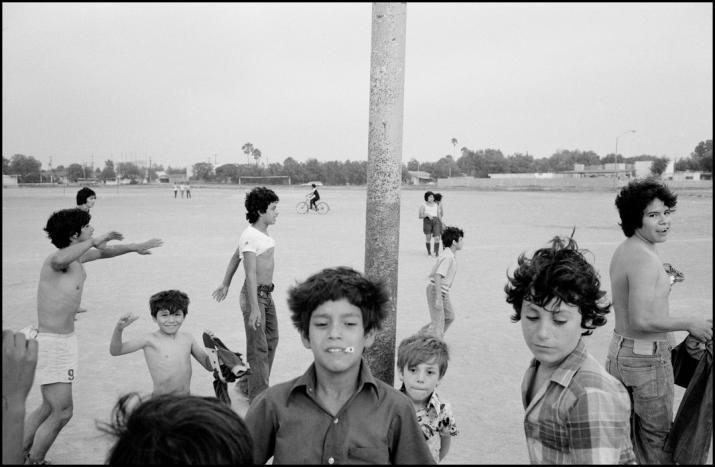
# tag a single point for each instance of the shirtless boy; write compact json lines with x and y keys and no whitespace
{"x":58,"y":296}
{"x":639,"y":353}
{"x":167,"y":351}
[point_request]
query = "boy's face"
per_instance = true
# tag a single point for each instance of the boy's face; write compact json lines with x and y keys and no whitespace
{"x":90,"y":202}
{"x":336,"y":327}
{"x":169,"y":322}
{"x":551,"y":332}
{"x":459,"y":243}
{"x":656,"y":222}
{"x":420,"y":381}
{"x":271,"y":213}
{"x":84,"y":234}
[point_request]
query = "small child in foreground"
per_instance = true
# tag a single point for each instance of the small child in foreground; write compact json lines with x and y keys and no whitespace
{"x":576,"y":413}
{"x":167,"y":351}
{"x":422,"y":363}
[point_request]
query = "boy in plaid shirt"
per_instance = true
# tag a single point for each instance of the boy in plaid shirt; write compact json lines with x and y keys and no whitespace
{"x":576,"y":413}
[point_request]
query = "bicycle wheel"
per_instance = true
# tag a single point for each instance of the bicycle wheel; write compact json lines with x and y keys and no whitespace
{"x":302,"y":207}
{"x":323,"y":207}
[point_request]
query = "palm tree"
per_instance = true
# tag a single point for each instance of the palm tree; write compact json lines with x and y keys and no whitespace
{"x":256,"y":154}
{"x":454,"y":143}
{"x":247,"y":150}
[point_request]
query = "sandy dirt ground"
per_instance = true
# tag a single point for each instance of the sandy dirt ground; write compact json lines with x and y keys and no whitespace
{"x":488,"y":356}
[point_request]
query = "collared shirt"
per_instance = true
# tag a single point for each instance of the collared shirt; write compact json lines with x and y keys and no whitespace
{"x":377,"y":425}
{"x":580,"y":416}
{"x":436,"y":420}
{"x":445,"y":266}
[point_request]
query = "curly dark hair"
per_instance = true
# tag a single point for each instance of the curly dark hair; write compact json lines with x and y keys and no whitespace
{"x":633,"y":199}
{"x":423,"y":348}
{"x":257,"y":201}
{"x":332,"y":284}
{"x":63,"y":224}
{"x":84,"y":194}
{"x":176,"y":429}
{"x":428,"y":194}
{"x":450,"y":235}
{"x":559,"y":272}
{"x":172,"y":300}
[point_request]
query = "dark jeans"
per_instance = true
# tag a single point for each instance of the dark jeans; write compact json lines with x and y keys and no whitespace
{"x":261,"y":342}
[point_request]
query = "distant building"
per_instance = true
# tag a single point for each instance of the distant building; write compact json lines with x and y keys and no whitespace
{"x":613,"y":170}
{"x":420,"y":177}
{"x":9,"y":180}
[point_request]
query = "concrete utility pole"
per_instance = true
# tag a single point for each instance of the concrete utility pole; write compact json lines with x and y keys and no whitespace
{"x":384,"y":170}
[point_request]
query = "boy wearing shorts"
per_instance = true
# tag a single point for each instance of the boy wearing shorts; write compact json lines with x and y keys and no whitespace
{"x":58,"y":297}
{"x":336,"y":412}
{"x":422,"y":363}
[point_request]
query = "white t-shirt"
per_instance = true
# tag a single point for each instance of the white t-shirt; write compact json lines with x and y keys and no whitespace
{"x":445,"y":266}
{"x":255,"y":241}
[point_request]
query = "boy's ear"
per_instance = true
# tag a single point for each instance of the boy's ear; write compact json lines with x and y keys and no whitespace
{"x":369,"y":338}
{"x":306,"y":341}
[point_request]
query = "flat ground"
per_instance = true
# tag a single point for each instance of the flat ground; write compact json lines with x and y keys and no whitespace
{"x":488,"y":355}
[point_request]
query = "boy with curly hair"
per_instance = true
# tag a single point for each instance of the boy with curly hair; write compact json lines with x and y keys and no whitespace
{"x":576,"y":413}
{"x":422,"y":363}
{"x":336,"y":412}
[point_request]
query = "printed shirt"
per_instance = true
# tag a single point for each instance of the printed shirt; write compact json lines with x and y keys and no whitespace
{"x":255,"y":241}
{"x":377,"y":425}
{"x":445,"y":266}
{"x":580,"y":416}
{"x":435,"y":421}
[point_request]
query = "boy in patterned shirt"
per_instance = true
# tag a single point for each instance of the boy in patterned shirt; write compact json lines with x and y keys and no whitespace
{"x":576,"y":413}
{"x":422,"y":362}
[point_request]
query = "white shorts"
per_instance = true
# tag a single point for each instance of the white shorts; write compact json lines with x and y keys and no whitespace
{"x":57,"y":358}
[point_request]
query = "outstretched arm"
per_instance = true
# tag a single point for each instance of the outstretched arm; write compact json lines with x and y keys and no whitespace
{"x":200,"y":355}
{"x":78,"y":251}
{"x":103,"y":251}
{"x":117,"y":346}
{"x":220,"y":293}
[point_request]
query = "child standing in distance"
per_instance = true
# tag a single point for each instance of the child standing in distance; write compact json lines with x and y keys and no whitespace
{"x":431,"y":225}
{"x":441,"y":278}
{"x":336,"y":412}
{"x":576,"y":413}
{"x":422,"y":363}
{"x":86,"y":197}
{"x":167,"y":351}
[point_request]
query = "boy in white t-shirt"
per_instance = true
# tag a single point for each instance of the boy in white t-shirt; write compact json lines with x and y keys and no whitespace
{"x":440,"y":281}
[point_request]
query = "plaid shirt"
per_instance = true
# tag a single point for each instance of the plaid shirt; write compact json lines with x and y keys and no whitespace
{"x":581,"y":416}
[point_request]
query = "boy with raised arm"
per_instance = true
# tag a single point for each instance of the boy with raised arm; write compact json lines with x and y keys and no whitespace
{"x":167,"y":351}
{"x":337,"y":412}
{"x":59,"y":294}
{"x":639,"y":354}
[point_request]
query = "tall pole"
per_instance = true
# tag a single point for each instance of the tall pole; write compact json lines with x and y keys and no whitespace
{"x":384,"y":170}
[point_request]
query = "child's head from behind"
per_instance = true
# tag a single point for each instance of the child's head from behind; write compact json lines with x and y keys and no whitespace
{"x":84,"y":195}
{"x":451,"y":235}
{"x":177,"y":429}
{"x":438,"y":198}
{"x":422,"y":362}
{"x":169,"y":308}
{"x":556,"y":295}
{"x":258,"y":200}
{"x":633,"y":199}
{"x":337,"y":312}
{"x":64,"y":224}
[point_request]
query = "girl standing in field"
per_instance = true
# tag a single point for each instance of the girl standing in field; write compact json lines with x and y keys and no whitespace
{"x":431,"y":225}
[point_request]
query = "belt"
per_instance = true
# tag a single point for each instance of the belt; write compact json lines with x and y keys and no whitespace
{"x":265,"y":288}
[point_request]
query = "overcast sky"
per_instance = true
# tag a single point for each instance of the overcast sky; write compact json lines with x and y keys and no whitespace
{"x":183,"y":83}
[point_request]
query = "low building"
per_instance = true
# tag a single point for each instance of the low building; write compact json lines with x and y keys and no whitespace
{"x":9,"y":180}
{"x":612,"y":170}
{"x":420,"y":177}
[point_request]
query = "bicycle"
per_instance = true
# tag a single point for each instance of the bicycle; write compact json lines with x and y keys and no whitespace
{"x":303,"y":206}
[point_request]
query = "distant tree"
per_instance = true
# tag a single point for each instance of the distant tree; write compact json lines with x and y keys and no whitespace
{"x":454,"y":144}
{"x":131,"y":171}
{"x":203,"y":171}
{"x":5,"y":165}
{"x":26,"y":167}
{"x":564,"y":160}
{"x":413,"y":164}
{"x":108,"y":172}
{"x":702,"y":155}
{"x":247,"y":150}
{"x":520,"y":163}
{"x":658,"y":166}
{"x":256,"y":153}
{"x":75,"y":172}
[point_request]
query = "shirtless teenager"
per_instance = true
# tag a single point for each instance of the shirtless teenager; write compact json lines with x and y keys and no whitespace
{"x":256,"y":248}
{"x":167,"y":351}
{"x":639,"y":353}
{"x":58,"y":296}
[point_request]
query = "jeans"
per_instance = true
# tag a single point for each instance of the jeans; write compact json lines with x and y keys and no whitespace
{"x":439,"y":319}
{"x":261,"y":342}
{"x":645,"y":369}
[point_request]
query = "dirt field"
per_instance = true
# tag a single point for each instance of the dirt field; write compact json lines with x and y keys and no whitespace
{"x":488,"y":356}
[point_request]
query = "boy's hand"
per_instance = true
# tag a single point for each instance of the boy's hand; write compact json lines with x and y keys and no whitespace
{"x":126,"y":320}
{"x":19,"y":359}
{"x":101,"y":241}
{"x":143,"y":248}
{"x":220,"y":293}
{"x":254,"y":319}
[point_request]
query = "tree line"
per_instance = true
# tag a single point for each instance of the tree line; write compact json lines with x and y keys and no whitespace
{"x":474,"y":163}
